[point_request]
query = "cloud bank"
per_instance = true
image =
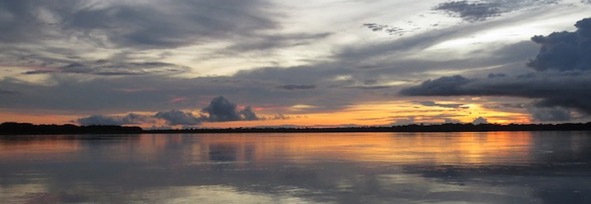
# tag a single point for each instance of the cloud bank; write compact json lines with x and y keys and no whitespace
{"x":562,"y":78}
{"x":219,"y":110}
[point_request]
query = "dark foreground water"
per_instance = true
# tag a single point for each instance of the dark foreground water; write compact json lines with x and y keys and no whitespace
{"x":495,"y":167}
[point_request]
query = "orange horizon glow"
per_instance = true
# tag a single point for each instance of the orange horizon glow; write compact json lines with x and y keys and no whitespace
{"x":367,"y":114}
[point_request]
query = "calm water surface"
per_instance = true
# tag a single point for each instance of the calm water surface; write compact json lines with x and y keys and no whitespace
{"x":495,"y":167}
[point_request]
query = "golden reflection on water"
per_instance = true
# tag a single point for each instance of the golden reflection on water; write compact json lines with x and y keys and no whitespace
{"x":432,"y":148}
{"x":407,"y":148}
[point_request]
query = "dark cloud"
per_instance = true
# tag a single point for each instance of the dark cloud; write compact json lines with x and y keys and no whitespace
{"x":221,"y":110}
{"x":443,"y":105}
{"x":470,"y":11}
{"x":177,"y":117}
{"x":565,"y":50}
{"x":567,"y":90}
{"x":99,"y":120}
{"x":553,"y":114}
{"x":444,"y":86}
{"x":128,"y":119}
{"x":248,"y":114}
{"x":297,"y":87}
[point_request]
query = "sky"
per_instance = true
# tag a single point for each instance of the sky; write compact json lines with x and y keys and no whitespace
{"x":259,"y":63}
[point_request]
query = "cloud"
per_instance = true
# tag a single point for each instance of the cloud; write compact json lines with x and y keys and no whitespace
{"x":222,"y":110}
{"x":266,"y":42}
{"x":7,"y":92}
{"x":128,"y":119}
{"x":248,"y":114}
{"x":404,"y":121}
{"x":473,"y":11}
{"x":558,"y":82}
{"x":470,"y":11}
{"x":493,"y":75}
{"x":177,"y":117}
{"x":107,"y":68}
{"x":219,"y":110}
{"x":384,"y":28}
{"x":554,"y":114}
{"x":443,"y":105}
{"x":479,"y":120}
{"x":297,"y":87}
{"x":451,"y":121}
{"x":147,"y":24}
{"x":549,"y":89}
{"x":564,"y":50}
{"x":444,"y":86}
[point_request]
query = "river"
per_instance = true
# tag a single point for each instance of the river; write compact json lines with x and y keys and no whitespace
{"x":481,"y":167}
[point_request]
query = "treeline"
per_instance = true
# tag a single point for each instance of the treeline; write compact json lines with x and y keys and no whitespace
{"x":12,"y":128}
{"x":405,"y":128}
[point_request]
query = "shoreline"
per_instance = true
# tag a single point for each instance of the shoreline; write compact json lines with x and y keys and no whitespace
{"x":31,"y":129}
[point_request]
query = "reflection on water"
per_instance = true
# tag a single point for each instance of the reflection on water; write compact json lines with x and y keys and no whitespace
{"x":495,"y":167}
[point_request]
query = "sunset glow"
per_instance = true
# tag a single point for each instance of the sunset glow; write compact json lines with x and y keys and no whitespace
{"x":264,"y":63}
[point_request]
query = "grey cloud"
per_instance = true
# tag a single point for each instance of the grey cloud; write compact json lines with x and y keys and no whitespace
{"x":221,"y":110}
{"x":479,"y":120}
{"x":473,"y":11}
{"x":7,"y":92}
{"x":279,"y":116}
{"x":128,"y":119}
{"x":435,"y":104}
{"x":496,"y":75}
{"x":451,"y":121}
{"x":390,"y":30}
{"x":567,"y":90}
{"x":150,"y":24}
{"x":266,"y":42}
{"x":443,"y":86}
{"x":177,"y":117}
{"x":104,"y":67}
{"x":550,"y":114}
{"x":565,"y":50}
{"x":297,"y":87}
{"x":470,"y":11}
{"x":370,"y":87}
{"x":259,"y":86}
{"x":99,"y":120}
{"x":248,"y":114}
{"x":404,"y":121}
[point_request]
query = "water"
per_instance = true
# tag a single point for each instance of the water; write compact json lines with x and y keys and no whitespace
{"x":495,"y":167}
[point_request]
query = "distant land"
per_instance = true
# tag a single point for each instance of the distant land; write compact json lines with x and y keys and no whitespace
{"x":13,"y":128}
